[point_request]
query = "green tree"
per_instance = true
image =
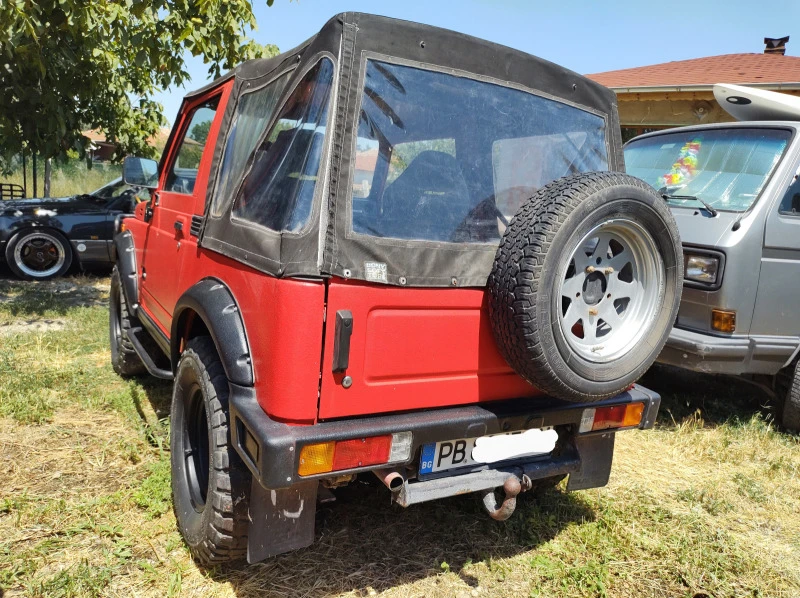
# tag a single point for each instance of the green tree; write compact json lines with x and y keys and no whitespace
{"x":200,"y":131}
{"x":69,"y":65}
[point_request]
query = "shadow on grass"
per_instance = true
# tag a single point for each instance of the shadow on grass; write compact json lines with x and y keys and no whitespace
{"x":23,"y":298}
{"x":365,"y":544}
{"x":718,"y":399}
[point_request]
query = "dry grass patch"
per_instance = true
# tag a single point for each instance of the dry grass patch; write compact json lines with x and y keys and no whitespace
{"x":708,"y":503}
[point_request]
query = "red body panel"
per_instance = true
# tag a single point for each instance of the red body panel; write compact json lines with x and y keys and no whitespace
{"x":283,"y":322}
{"x":414,"y":349}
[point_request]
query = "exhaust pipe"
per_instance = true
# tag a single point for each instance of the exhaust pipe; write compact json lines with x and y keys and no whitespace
{"x":391,"y":478}
{"x":512,"y":487}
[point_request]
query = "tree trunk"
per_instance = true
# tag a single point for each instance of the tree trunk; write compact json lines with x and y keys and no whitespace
{"x":48,"y":167}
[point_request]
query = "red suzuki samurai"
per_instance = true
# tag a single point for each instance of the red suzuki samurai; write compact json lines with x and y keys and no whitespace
{"x":394,"y":250}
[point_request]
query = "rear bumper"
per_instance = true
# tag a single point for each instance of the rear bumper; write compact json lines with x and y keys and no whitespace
{"x":727,"y":355}
{"x":271,"y":449}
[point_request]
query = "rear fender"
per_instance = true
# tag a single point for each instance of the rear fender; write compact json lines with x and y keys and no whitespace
{"x":212,"y":301}
{"x":126,"y":264}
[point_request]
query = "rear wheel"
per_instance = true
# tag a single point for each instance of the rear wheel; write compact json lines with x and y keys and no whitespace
{"x":39,"y":254}
{"x":124,"y":359}
{"x":586,"y":285}
{"x":210,"y":484}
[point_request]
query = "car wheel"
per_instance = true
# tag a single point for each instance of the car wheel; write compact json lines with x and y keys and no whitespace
{"x":586,"y":285}
{"x":210,"y":484}
{"x":39,"y":254}
{"x":789,"y":411}
{"x":124,"y":358}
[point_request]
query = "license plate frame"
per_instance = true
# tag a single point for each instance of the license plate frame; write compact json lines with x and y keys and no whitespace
{"x":430,"y":462}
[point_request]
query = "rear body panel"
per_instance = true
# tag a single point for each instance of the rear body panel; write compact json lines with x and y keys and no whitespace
{"x":414,"y":349}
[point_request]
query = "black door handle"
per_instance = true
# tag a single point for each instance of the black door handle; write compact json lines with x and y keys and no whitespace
{"x":178,"y":226}
{"x":341,"y":340}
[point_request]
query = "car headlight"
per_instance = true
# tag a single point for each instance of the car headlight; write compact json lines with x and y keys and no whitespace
{"x":701,"y":268}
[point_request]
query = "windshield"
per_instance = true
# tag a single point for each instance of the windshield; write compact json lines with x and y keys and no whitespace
{"x":441,"y":157}
{"x":727,"y":168}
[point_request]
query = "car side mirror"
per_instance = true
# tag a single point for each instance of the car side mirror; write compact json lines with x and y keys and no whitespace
{"x":141,"y":172}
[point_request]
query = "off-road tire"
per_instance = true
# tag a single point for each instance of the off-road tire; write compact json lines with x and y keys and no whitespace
{"x":57,"y":240}
{"x":124,"y":358}
{"x":214,"y":528}
{"x":789,"y":409}
{"x":524,"y":300}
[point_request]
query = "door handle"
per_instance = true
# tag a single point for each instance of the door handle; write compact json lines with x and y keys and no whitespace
{"x":178,"y":226}
{"x":148,"y":213}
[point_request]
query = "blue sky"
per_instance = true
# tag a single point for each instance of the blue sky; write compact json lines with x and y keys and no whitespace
{"x":585,"y":36}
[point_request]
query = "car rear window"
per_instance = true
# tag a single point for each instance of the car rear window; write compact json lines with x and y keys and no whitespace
{"x":447,"y":158}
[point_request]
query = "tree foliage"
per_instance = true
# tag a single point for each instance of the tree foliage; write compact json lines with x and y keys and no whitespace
{"x":70,"y":65}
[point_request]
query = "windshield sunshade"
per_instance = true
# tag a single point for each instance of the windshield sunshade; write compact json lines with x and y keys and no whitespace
{"x":727,"y":168}
{"x":445,"y":158}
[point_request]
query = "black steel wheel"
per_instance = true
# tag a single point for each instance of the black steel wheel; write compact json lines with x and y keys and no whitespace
{"x":39,"y":254}
{"x":210,"y":484}
{"x":124,"y":359}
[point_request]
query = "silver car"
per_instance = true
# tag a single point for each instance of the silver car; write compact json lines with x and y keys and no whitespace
{"x":735,"y":192}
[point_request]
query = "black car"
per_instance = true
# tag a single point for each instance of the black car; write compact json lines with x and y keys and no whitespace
{"x":40,"y":238}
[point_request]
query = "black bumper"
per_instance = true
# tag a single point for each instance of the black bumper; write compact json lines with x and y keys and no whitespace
{"x":271,"y":449}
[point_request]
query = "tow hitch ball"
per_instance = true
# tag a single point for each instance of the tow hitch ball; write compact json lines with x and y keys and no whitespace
{"x":512,"y":486}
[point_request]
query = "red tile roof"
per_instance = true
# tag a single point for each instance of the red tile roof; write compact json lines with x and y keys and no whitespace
{"x":759,"y":69}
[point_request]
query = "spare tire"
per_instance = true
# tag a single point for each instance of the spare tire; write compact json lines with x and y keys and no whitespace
{"x":586,"y":285}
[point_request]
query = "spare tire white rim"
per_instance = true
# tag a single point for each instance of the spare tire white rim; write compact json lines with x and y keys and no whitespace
{"x":611,"y":289}
{"x":39,"y":255}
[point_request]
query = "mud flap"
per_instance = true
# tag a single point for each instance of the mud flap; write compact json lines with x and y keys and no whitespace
{"x":280,"y":520}
{"x":596,"y":453}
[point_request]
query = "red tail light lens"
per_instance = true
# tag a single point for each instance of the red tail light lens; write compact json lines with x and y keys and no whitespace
{"x":362,"y":452}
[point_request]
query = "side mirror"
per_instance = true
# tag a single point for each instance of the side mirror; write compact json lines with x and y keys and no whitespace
{"x":141,"y":172}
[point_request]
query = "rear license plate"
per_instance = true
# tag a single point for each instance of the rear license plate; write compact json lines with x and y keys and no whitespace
{"x":465,"y":452}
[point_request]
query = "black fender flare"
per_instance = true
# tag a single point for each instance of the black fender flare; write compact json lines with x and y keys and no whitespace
{"x":216,"y":306}
{"x":126,"y":264}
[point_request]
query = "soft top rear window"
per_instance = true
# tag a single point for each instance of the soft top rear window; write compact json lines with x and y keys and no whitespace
{"x":442,"y":157}
{"x":726,"y":167}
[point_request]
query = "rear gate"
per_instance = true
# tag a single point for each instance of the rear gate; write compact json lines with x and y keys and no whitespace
{"x":410,"y":349}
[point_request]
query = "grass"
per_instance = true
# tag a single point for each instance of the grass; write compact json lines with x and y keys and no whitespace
{"x":70,"y":178}
{"x":706,"y":504}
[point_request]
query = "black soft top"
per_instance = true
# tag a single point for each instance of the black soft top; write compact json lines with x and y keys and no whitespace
{"x":326,"y":247}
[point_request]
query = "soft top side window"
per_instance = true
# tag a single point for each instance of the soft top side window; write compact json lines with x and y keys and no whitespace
{"x":183,"y":171}
{"x":278,"y":190}
{"x":253,"y":113}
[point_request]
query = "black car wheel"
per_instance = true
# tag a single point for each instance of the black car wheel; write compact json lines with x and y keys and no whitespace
{"x":210,"y":484}
{"x":124,"y":359}
{"x":789,"y":395}
{"x":39,"y":254}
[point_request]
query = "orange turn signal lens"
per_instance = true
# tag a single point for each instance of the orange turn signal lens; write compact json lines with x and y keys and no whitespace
{"x":613,"y":417}
{"x":723,"y":321}
{"x":316,"y":458}
{"x":123,"y":227}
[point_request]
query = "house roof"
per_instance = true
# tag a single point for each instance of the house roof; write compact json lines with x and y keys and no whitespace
{"x":772,"y":71}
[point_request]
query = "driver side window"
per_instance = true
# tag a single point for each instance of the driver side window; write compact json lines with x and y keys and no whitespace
{"x":790,"y":204}
{"x":183,"y":172}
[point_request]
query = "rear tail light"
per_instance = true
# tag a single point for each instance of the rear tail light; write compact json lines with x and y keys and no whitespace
{"x":339,"y":455}
{"x":613,"y":417}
